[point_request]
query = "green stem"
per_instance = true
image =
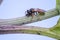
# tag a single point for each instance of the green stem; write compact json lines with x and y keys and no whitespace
{"x":56,"y":29}
{"x":29,"y":30}
{"x":53,"y":32}
{"x":25,"y":20}
{"x":58,"y":5}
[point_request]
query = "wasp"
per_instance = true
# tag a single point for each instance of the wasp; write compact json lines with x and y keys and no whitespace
{"x":32,"y":12}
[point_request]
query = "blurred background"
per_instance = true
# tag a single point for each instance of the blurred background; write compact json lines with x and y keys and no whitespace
{"x":16,"y":8}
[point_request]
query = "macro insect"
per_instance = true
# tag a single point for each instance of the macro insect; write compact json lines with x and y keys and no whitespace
{"x":32,"y":12}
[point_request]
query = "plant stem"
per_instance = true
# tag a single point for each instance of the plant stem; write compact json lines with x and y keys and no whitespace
{"x":26,"y":20}
{"x":28,"y":30}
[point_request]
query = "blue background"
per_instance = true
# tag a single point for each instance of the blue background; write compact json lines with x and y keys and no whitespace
{"x":16,"y":8}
